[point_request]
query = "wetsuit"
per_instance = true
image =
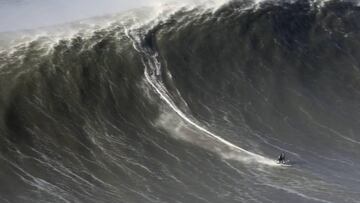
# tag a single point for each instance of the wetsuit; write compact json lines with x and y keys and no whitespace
{"x":281,"y":158}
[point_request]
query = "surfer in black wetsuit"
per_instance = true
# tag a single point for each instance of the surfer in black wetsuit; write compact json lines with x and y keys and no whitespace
{"x":281,"y":158}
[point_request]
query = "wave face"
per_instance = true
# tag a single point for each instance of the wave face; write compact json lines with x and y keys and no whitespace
{"x":190,"y":108}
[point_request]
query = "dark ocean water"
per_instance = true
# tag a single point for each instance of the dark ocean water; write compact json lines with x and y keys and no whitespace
{"x":193,"y":106}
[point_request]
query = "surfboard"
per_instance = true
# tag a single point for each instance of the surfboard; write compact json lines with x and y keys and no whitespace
{"x":286,"y":164}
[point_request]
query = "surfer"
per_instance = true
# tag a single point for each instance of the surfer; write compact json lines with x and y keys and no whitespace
{"x":281,"y":158}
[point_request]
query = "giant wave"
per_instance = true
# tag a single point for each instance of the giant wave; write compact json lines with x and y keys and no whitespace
{"x":192,"y":105}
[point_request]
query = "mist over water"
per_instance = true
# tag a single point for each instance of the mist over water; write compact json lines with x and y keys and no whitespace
{"x":25,"y":14}
{"x":183,"y":102}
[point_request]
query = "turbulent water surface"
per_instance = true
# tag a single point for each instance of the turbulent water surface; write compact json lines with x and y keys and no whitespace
{"x":186,"y":104}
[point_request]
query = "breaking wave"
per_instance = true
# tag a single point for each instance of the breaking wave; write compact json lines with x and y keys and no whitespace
{"x":190,"y":104}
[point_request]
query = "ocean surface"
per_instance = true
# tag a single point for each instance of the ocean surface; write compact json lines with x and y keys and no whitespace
{"x":185,"y":104}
